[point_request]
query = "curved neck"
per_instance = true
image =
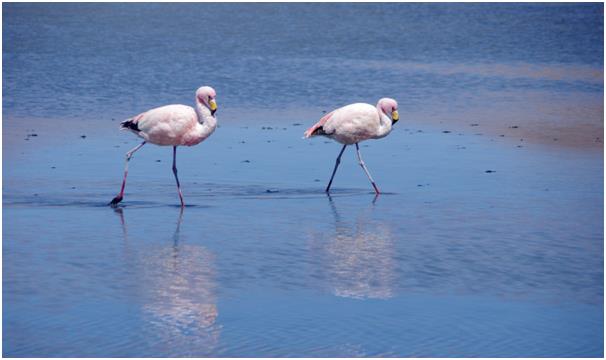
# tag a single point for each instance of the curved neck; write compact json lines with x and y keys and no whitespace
{"x":205,"y":118}
{"x":207,"y":123}
{"x":384,"y":121}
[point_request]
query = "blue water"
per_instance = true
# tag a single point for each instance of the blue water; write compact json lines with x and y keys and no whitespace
{"x":92,"y":62}
{"x":451,"y":261}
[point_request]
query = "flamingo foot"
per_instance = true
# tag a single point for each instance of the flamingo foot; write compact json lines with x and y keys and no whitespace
{"x":377,"y":192}
{"x":115,"y":201}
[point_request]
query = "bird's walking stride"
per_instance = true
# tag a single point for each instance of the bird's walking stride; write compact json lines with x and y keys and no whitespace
{"x":173,"y":125}
{"x":354,"y":123}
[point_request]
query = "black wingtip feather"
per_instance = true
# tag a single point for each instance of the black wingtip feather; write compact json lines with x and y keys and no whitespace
{"x":319,"y":131}
{"x":130,"y":124}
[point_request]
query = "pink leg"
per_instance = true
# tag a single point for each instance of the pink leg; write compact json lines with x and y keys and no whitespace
{"x":129,"y":154}
{"x":366,"y":170}
{"x":176,"y":177}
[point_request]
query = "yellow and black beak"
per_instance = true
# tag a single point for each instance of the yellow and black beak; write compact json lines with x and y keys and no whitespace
{"x":395,"y":117}
{"x":213,"y":106}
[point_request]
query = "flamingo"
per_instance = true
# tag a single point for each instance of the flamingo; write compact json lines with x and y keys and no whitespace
{"x":173,"y":125}
{"x":353,"y":123}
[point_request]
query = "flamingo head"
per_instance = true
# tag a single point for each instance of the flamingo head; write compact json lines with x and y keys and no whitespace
{"x":389,"y":107}
{"x":206,"y":96}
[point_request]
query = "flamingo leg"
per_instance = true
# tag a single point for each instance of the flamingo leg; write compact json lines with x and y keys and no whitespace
{"x":335,"y":169}
{"x":366,"y":170}
{"x":129,"y":154}
{"x":176,"y":177}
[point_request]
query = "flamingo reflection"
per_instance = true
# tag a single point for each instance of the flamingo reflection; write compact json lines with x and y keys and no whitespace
{"x":178,"y":294}
{"x":359,"y":256}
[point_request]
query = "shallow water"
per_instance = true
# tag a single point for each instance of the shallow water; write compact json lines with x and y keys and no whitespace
{"x":451,"y":261}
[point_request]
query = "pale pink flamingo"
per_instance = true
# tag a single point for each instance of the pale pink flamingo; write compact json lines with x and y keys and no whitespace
{"x":173,"y":125}
{"x":354,"y":123}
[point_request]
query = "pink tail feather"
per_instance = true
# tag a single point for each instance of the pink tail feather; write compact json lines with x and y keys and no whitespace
{"x":310,"y":132}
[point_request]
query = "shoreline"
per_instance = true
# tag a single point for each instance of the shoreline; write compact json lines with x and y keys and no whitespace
{"x":564,"y":135}
{"x":583,"y":137}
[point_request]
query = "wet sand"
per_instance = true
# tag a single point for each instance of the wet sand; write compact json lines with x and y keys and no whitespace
{"x":560,"y":121}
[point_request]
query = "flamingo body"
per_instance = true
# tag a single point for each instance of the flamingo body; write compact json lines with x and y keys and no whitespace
{"x":352,"y":123}
{"x":175,"y":125}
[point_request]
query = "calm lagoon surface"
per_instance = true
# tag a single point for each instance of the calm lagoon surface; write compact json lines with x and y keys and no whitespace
{"x":487,"y":241}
